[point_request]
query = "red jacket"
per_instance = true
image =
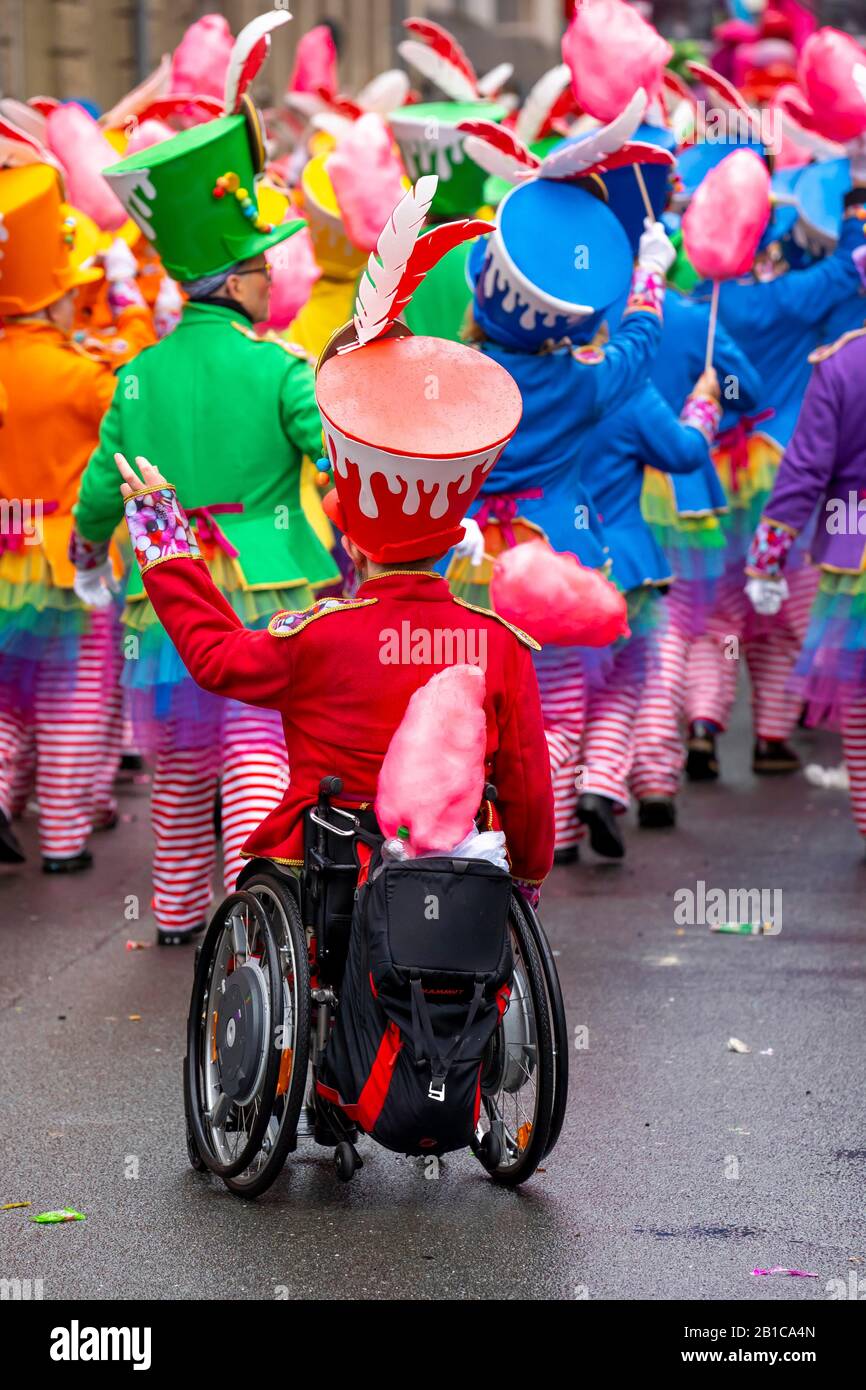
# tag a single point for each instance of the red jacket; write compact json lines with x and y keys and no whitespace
{"x":341,"y":675}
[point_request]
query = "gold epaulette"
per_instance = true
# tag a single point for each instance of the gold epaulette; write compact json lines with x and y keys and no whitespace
{"x":521,"y":636}
{"x":289,"y":624}
{"x":822,"y":353}
{"x":293,"y":349}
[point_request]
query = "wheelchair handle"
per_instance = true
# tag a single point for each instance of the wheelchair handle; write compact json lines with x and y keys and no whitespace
{"x":328,"y":787}
{"x":490,"y":792}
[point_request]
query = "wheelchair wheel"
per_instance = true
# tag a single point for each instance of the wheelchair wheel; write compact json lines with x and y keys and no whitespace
{"x":518,"y":1070}
{"x":232,"y":1066}
{"x":561,"y":1041}
{"x":281,"y":909}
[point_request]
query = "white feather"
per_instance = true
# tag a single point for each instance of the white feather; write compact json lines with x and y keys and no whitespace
{"x":26,"y":118}
{"x":377,"y":288}
{"x":540,"y":102}
{"x":333,"y":123}
{"x":244,"y":44}
{"x":385,"y":93}
{"x":809,"y":139}
{"x":307,"y":104}
{"x":438,"y":70}
{"x":495,"y":79}
{"x":607,"y":139}
{"x":498,"y":162}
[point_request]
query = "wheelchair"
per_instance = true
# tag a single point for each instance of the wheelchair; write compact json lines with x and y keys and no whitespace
{"x":266,"y":988}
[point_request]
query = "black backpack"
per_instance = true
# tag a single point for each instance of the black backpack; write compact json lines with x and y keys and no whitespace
{"x":427,"y":979}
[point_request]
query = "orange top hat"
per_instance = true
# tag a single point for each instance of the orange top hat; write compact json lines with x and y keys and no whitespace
{"x":412,"y":425}
{"x":37,"y":238}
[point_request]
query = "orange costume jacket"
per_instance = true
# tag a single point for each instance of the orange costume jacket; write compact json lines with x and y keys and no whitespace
{"x":57,"y":395}
{"x":341,"y":675}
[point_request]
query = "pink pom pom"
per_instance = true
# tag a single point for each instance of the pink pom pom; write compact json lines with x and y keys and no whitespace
{"x":724,"y":223}
{"x":367,"y":176}
{"x":150,"y":132}
{"x":315,"y":67}
{"x":554,"y":598}
{"x":611,"y":52}
{"x":200,"y":61}
{"x":432,"y":776}
{"x":76,"y":139}
{"x":832,"y":73}
{"x":294,"y":272}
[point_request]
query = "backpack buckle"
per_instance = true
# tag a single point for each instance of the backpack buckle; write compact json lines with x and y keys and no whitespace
{"x":436,"y":1089}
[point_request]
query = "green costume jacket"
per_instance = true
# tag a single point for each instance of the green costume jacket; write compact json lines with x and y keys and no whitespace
{"x":227,"y":416}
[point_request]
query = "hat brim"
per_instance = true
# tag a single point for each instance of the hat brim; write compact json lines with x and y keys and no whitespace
{"x":250,"y":244}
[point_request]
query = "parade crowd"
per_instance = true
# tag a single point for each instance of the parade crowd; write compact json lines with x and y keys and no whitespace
{"x":626,"y":416}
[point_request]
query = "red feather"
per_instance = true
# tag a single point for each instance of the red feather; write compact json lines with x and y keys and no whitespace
{"x":501,"y":138}
{"x":14,"y":132}
{"x":442,"y":43}
{"x":256,"y":56}
{"x":722,"y":88}
{"x":428,"y":250}
{"x":44,"y":105}
{"x":673,"y":83}
{"x":165,"y":107}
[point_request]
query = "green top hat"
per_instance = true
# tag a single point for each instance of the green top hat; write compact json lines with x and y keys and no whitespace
{"x":194,"y":196}
{"x":430,"y":143}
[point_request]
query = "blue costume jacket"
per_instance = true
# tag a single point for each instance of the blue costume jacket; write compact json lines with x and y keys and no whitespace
{"x":565,"y":393}
{"x":612,"y":456}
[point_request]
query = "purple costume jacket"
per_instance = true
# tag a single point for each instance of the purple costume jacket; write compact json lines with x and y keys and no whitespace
{"x":824,"y":466}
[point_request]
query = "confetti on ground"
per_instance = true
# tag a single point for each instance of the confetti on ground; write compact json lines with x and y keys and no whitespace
{"x":766,"y":1052}
{"x":134,"y":1018}
{"x":781,"y":1269}
{"x":138,"y":945}
{"x":735,"y":1045}
{"x":56,"y":1218}
{"x":13,"y":1206}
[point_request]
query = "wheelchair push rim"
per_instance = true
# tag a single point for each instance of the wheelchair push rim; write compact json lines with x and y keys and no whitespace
{"x":233,"y":1061}
{"x":292,"y":1038}
{"x":517,"y":1072}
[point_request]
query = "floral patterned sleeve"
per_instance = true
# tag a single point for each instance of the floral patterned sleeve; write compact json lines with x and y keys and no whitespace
{"x":769,"y":550}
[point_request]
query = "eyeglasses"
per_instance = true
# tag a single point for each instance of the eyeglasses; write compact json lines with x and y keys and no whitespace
{"x":257,"y":270}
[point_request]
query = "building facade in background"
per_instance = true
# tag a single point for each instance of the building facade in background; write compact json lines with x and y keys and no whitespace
{"x":101,"y":48}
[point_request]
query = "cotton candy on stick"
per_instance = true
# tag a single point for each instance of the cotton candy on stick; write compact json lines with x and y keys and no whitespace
{"x":76,"y":139}
{"x":832,"y":73}
{"x":612,"y":53}
{"x":200,"y":61}
{"x":724,"y":223}
{"x":432,"y":777}
{"x":551,"y":595}
{"x":367,"y":176}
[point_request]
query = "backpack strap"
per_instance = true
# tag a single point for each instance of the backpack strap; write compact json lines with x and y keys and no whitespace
{"x":424,"y":1042}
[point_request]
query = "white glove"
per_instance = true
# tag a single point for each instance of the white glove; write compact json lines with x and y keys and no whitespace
{"x":856,"y":152}
{"x":655,"y":249}
{"x":471,"y":547}
{"x":767,"y":595}
{"x":95,"y":587}
{"x":119,"y":262}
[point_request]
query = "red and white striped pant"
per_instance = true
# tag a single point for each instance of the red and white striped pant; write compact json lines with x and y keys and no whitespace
{"x":563,"y":706}
{"x":770,"y":653}
{"x":854,"y":748}
{"x":67,"y":732}
{"x":659,"y":749}
{"x":254,"y":776}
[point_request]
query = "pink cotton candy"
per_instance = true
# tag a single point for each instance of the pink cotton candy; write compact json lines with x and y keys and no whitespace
{"x":315,"y":67}
{"x":724,"y":223}
{"x":611,"y":52}
{"x":200,"y":61}
{"x":432,"y":776}
{"x":294,"y":272}
{"x":832,"y":73}
{"x":367,"y":176}
{"x":554,"y":598}
{"x":150,"y":132}
{"x":76,"y":139}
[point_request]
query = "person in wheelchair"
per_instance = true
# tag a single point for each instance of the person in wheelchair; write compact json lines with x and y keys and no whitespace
{"x":412,"y":426}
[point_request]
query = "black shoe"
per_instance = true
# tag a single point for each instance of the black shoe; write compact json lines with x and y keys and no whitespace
{"x":10,"y":848}
{"x":131,"y":762}
{"x":75,"y":865}
{"x":657,"y":813}
{"x":569,"y":854}
{"x":702,"y":765}
{"x":773,"y":755}
{"x":179,"y":938}
{"x":109,"y":822}
{"x":596,"y":812}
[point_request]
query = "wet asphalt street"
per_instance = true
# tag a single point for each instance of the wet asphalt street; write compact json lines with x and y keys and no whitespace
{"x":682,"y":1165}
